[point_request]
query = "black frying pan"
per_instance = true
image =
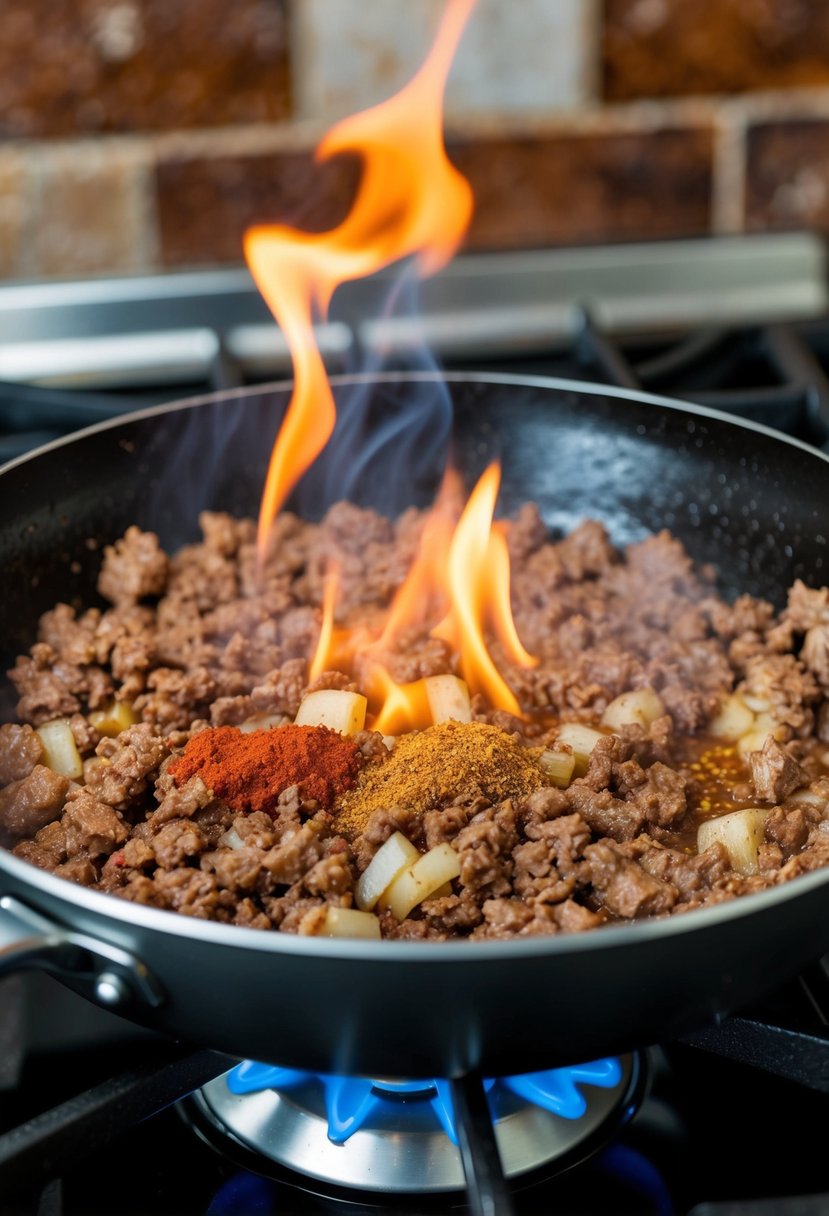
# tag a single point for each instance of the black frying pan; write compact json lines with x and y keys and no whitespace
{"x":738,"y":495}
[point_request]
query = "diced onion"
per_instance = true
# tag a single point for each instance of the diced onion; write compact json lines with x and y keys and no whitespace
{"x":390,"y":859}
{"x":733,"y":719}
{"x":639,"y":707}
{"x":348,"y":922}
{"x":60,"y":751}
{"x":335,"y":708}
{"x":741,"y":832}
{"x":766,"y":723}
{"x":113,"y":718}
{"x":559,"y":764}
{"x":582,"y":739}
{"x":752,"y":742}
{"x":448,"y":698}
{"x":757,"y":705}
{"x":440,"y":865}
{"x":231,"y":839}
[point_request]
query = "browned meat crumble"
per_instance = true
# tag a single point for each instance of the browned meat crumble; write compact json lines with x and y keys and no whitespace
{"x":193,"y":641}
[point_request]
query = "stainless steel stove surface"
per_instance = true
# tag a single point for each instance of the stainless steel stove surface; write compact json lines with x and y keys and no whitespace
{"x":95,"y":1117}
{"x":739,"y":324}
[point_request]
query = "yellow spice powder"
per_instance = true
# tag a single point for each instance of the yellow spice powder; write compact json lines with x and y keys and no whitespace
{"x":431,"y":767}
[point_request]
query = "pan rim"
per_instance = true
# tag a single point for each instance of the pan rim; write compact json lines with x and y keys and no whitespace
{"x":586,"y":388}
{"x":117,"y":912}
{"x":607,"y":937}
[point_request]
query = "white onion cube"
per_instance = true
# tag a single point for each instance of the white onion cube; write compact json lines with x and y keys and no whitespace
{"x":334,"y":708}
{"x":348,"y":922}
{"x":390,"y":859}
{"x":448,"y":698}
{"x":440,"y":865}
{"x":733,"y":719}
{"x":582,"y":739}
{"x":740,"y":832}
{"x":60,"y":752}
{"x":639,"y":707}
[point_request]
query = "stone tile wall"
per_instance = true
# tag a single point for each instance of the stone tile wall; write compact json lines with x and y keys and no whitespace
{"x":143,"y":135}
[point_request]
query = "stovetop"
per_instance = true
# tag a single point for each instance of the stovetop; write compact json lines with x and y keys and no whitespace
{"x":703,"y":1135}
{"x":726,"y":1124}
{"x":734,"y":324}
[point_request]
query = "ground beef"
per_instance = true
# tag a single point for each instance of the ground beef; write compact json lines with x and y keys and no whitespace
{"x":134,"y":568}
{"x":46,"y":849}
{"x":484,"y":849}
{"x":815,"y":654}
{"x":622,"y":885}
{"x":90,"y":826}
{"x":807,"y":608}
{"x":380,"y":826}
{"x":774,"y":773}
{"x":31,"y":803}
{"x":42,"y":693}
{"x":200,"y":640}
{"x":787,"y":828}
{"x":606,"y":815}
{"x":781,"y":683}
{"x":128,"y":764}
{"x":20,"y":751}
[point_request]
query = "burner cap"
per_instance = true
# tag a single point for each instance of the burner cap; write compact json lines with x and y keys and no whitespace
{"x":399,"y":1136}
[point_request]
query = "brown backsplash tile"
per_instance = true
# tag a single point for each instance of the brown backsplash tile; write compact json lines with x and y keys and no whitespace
{"x":671,"y":48}
{"x":580,"y":188}
{"x":142,"y":134}
{"x":69,"y":67}
{"x":205,"y":205}
{"x":12,"y":210}
{"x":787,"y":176}
{"x":531,"y":191}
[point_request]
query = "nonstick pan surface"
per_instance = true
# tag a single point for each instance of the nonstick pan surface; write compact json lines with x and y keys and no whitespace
{"x":738,"y":495}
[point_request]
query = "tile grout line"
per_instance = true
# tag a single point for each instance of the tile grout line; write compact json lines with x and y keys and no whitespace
{"x":728,"y":184}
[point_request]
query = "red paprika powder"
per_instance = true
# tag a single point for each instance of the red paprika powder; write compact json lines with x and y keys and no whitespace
{"x":250,"y":771}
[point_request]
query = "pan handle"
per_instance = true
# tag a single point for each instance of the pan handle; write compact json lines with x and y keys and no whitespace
{"x":98,"y":970}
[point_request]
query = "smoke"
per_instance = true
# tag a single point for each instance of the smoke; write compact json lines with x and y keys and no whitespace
{"x":391,"y":440}
{"x":209,"y":454}
{"x":388,"y":450}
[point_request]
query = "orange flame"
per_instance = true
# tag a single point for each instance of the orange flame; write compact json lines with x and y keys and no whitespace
{"x":462,"y":569}
{"x":336,"y":646}
{"x":410,"y":200}
{"x":479,"y":590}
{"x":404,"y":707}
{"x":325,"y":645}
{"x":426,"y":580}
{"x":498,"y":604}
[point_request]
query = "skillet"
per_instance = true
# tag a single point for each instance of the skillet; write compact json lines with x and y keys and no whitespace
{"x":738,"y":495}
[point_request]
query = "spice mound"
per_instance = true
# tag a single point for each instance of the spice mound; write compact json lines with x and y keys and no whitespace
{"x":249,"y":771}
{"x":432,"y":768}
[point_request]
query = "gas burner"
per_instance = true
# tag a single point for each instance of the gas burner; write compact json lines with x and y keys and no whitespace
{"x":400,"y":1136}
